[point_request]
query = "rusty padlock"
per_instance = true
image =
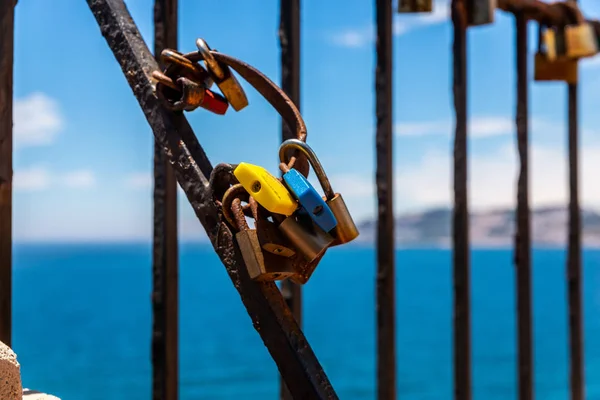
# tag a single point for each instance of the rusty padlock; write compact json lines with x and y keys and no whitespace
{"x":415,"y":6}
{"x":261,"y":266}
{"x":580,"y":37}
{"x":223,"y":77}
{"x":550,"y":62}
{"x":270,"y":238}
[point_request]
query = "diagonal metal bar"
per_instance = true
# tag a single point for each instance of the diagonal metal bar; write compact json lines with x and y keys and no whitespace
{"x":289,"y":39}
{"x":270,"y":315}
{"x":165,"y":290}
{"x":523,"y":219}
{"x":460,"y":223}
{"x":385,"y":281}
{"x":7,"y":28}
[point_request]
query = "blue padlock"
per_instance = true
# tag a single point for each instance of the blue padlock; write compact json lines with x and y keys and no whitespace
{"x":308,"y":198}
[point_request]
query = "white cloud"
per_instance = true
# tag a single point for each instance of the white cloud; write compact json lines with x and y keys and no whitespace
{"x":403,"y":23}
{"x":32,"y":179}
{"x":492,"y":180}
{"x":37,"y":120}
{"x":79,"y":179}
{"x":487,"y":126}
{"x":479,"y":127}
{"x":139,"y":180}
{"x":38,"y":178}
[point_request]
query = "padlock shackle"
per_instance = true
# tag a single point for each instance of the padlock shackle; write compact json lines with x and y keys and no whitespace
{"x":238,"y":215}
{"x":236,"y":191}
{"x":268,"y":90}
{"x":573,"y":10}
{"x":312,"y":159}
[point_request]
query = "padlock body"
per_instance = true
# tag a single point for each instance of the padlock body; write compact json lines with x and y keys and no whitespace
{"x":550,"y":44}
{"x":265,"y":188}
{"x":233,"y":92}
{"x":580,"y":41}
{"x":271,"y":239}
{"x":415,"y":6}
{"x":310,"y":199}
{"x":346,"y":230}
{"x":310,"y":240}
{"x":262,"y":266}
{"x":304,"y":269}
{"x":562,"y":69}
{"x":480,"y":12}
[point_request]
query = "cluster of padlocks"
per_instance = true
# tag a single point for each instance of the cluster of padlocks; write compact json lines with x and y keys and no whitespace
{"x":293,"y":224}
{"x":559,"y":47}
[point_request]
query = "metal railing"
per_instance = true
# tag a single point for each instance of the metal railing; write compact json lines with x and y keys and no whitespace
{"x":302,"y":375}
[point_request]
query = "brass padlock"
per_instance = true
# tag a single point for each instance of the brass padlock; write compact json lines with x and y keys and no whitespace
{"x":262,"y":266}
{"x":480,"y":12}
{"x":310,"y":240}
{"x":415,"y":6}
{"x":223,"y":77}
{"x":557,"y":68}
{"x":270,"y":238}
{"x":580,"y":37}
{"x":345,"y":230}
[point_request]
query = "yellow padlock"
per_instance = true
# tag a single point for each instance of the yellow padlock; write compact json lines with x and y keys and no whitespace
{"x":267,"y":190}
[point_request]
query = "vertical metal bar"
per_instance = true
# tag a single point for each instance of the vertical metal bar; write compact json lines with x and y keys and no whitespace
{"x":523,"y":231}
{"x":165,"y":294}
{"x":460,"y":223}
{"x":289,"y":39}
{"x":574,"y":274}
{"x":7,"y":24}
{"x":386,"y":324}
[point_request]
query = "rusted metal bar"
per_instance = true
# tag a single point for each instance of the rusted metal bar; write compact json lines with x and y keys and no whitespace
{"x":386,"y":295}
{"x":460,"y":222}
{"x":547,"y":13}
{"x":523,"y":218}
{"x":289,"y":40}
{"x":165,"y":296}
{"x":270,"y":315}
{"x":574,"y":273}
{"x":7,"y":26}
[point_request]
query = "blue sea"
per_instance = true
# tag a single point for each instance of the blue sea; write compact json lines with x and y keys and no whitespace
{"x":82,"y":323}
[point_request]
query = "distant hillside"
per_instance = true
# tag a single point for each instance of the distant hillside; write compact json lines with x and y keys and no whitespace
{"x":487,"y":229}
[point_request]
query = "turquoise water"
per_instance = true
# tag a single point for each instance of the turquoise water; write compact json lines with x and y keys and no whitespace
{"x":82,"y":324}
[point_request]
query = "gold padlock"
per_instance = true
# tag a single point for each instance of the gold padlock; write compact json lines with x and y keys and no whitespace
{"x":345,"y":230}
{"x":223,"y":77}
{"x":415,"y":6}
{"x":550,"y":62}
{"x":580,"y":37}
{"x":270,"y":238}
{"x":261,"y":266}
{"x":480,"y":12}
{"x":310,"y":240}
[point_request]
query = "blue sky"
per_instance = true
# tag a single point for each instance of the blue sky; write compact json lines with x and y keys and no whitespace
{"x":83,"y":149}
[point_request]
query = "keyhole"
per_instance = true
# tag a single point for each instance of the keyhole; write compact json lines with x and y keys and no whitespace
{"x":318,"y":210}
{"x":256,"y":187}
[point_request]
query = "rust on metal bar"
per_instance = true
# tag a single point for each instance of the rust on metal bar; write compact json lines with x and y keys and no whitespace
{"x":523,"y":219}
{"x":574,"y":273}
{"x":385,"y":282}
{"x":550,"y":14}
{"x":460,"y":221}
{"x":270,"y":315}
{"x":289,"y":40}
{"x":165,"y":306}
{"x":7,"y":26}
